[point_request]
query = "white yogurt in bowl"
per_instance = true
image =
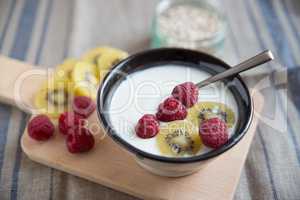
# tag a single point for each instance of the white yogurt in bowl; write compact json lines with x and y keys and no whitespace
{"x":144,"y":90}
{"x":138,"y":84}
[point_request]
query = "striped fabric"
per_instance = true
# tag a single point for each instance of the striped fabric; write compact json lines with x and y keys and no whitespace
{"x":44,"y":32}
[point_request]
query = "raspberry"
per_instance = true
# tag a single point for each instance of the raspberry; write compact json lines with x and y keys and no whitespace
{"x":147,"y":126}
{"x":69,"y":120}
{"x":83,"y":106}
{"x":171,"y":109}
{"x":187,"y":93}
{"x":80,"y":140}
{"x":40,"y":128}
{"x":213,"y":132}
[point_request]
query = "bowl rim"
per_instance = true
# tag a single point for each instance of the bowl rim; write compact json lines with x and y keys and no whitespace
{"x":143,"y":154}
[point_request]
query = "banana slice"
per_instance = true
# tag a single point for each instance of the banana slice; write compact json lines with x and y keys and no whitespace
{"x":179,"y":138}
{"x":84,"y":78}
{"x":109,"y":59}
{"x":64,"y":70}
{"x":205,"y":110}
{"x":53,"y":98}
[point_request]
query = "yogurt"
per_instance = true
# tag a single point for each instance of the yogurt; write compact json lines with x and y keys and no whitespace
{"x":142,"y":91}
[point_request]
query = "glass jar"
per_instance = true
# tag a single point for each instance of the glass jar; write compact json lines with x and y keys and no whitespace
{"x":194,"y":24}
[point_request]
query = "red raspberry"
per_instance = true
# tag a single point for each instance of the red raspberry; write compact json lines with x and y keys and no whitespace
{"x":80,"y":140}
{"x":83,"y":106}
{"x":171,"y":109}
{"x":40,"y":128}
{"x":187,"y":93}
{"x":214,"y":132}
{"x":69,"y":120}
{"x":147,"y":126}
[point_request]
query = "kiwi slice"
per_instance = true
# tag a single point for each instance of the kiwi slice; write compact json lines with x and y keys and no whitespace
{"x":104,"y":58}
{"x":179,"y":138}
{"x":206,"y":110}
{"x":53,"y":98}
{"x":84,"y":78}
{"x":65,"y":69}
{"x":109,"y":59}
{"x":94,"y":54}
{"x":57,"y":97}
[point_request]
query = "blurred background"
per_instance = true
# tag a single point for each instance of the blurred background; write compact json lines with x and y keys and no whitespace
{"x":44,"y":32}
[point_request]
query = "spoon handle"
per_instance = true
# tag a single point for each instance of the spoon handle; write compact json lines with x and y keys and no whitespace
{"x":259,"y":59}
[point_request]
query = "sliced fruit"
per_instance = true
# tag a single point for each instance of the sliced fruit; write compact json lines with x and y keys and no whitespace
{"x":93,"y":55}
{"x":53,"y":98}
{"x":84,"y":77}
{"x":179,"y":138}
{"x":109,"y":59}
{"x":206,"y":110}
{"x":65,"y":69}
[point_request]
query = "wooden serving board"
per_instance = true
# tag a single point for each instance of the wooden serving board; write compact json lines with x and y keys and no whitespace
{"x":108,"y":164}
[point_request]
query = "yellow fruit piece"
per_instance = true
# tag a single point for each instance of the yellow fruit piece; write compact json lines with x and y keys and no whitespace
{"x":84,"y":78}
{"x":92,"y":55}
{"x":204,"y":110}
{"x":104,"y":58}
{"x":65,"y":69}
{"x":179,"y":138}
{"x":109,"y":59}
{"x":53,"y":98}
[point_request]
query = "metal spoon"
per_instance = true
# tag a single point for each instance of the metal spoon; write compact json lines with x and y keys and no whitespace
{"x":255,"y":61}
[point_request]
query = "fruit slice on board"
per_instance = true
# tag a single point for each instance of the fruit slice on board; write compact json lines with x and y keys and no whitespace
{"x":65,"y":69}
{"x":84,"y":78}
{"x":179,"y":138}
{"x":53,"y":97}
{"x":206,"y":110}
{"x":93,"y":54}
{"x":109,"y":59}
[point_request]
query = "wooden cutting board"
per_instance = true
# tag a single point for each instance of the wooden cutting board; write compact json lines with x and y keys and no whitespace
{"x":108,"y":164}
